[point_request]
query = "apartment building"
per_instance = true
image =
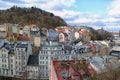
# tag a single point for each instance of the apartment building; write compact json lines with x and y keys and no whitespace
{"x":33,"y":68}
{"x":7,"y":60}
{"x":47,"y":53}
{"x":22,"y":52}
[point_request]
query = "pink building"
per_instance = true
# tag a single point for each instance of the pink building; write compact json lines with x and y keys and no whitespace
{"x":71,"y":70}
{"x":63,"y":37}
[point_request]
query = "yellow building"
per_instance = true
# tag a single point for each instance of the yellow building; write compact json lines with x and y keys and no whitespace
{"x":37,"y":41}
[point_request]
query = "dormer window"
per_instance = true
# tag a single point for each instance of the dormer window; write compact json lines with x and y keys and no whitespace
{"x":4,"y":50}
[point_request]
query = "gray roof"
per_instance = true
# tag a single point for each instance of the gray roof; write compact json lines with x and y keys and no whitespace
{"x":21,"y":45}
{"x":11,"y":51}
{"x":9,"y":47}
{"x":98,"y":63}
{"x":51,"y":44}
{"x":52,"y":35}
{"x":115,"y":53}
{"x":33,"y":60}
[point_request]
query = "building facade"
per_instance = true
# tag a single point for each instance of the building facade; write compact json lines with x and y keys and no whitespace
{"x":14,"y":58}
{"x":22,"y":52}
{"x":33,"y":68}
{"x":47,"y":53}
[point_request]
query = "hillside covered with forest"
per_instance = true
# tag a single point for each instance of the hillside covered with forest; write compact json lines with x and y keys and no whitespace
{"x":33,"y":15}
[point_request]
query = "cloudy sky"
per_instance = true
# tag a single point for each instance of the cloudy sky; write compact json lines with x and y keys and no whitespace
{"x":94,"y":13}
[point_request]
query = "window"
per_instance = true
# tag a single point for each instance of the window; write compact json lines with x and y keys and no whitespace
{"x":2,"y":60}
{"x":19,"y":63}
{"x":24,"y":57}
{"x":3,"y":71}
{"x":11,"y":65}
{"x":4,"y":50}
{"x":40,"y":57}
{"x":44,"y":52}
{"x":16,"y":62}
{"x":11,"y":60}
{"x":19,"y":57}
{"x":46,"y":62}
{"x":46,"y":57}
{"x":46,"y":74}
{"x":6,"y":71}
{"x":11,"y":72}
{"x":46,"y":68}
{"x":40,"y":62}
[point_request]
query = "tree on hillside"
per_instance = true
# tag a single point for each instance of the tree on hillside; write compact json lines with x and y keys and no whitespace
{"x":33,"y":15}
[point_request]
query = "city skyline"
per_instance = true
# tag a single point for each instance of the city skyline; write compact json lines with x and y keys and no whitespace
{"x":93,"y":13}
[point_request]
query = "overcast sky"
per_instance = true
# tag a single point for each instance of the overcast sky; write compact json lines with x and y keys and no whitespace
{"x":94,"y":13}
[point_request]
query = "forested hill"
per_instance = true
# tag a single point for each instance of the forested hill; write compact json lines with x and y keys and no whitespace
{"x":33,"y":15}
{"x":100,"y":34}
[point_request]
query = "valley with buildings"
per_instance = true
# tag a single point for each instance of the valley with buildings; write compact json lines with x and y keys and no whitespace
{"x":59,"y":40}
{"x":63,"y":53}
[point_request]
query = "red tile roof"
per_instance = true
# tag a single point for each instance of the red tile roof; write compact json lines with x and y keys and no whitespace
{"x":23,"y":38}
{"x":75,"y":70}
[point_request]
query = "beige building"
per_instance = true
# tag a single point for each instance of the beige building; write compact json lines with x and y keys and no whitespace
{"x":2,"y":28}
{"x":37,"y":41}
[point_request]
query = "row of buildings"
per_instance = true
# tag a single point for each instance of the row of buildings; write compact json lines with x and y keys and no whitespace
{"x":35,"y":35}
{"x":60,"y":45}
{"x":14,"y":58}
{"x":17,"y":59}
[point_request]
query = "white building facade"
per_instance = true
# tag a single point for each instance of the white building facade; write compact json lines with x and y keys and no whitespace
{"x":13,"y":59}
